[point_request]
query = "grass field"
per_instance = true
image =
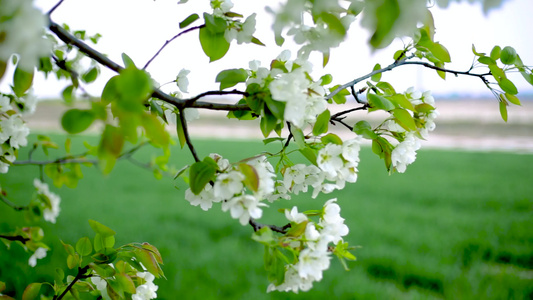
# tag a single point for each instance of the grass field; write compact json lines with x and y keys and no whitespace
{"x":456,"y":225}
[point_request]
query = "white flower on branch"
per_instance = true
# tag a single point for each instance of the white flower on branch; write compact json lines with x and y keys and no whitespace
{"x":205,"y":199}
{"x":293,"y":282}
{"x":51,"y":201}
{"x":329,"y":159}
{"x":5,"y":104}
{"x":15,"y":130}
{"x":220,"y":7}
{"x":148,"y":289}
{"x":294,"y":216}
{"x":22,"y":27}
{"x":228,"y":184}
{"x":182,"y":81}
{"x":100,"y":283}
{"x":332,"y":223}
{"x":242,"y":32}
{"x":8,"y":155}
{"x":266,"y":175}
{"x":311,"y":264}
{"x":244,"y":207}
{"x":405,"y":152}
{"x":38,"y":254}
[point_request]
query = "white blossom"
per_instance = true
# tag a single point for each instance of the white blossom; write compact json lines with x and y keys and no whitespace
{"x":148,"y":289}
{"x":243,"y":207}
{"x":228,"y":184}
{"x":51,"y":201}
{"x":100,"y":283}
{"x":293,"y":282}
{"x":329,"y":159}
{"x":311,"y":264}
{"x":5,"y":104}
{"x":15,"y":130}
{"x":22,"y":26}
{"x":294,"y":216}
{"x":220,"y":7}
{"x":405,"y":152}
{"x":223,"y":164}
{"x":10,"y":157}
{"x":38,"y":254}
{"x":182,"y":81}
{"x":266,"y":175}
{"x":205,"y":199}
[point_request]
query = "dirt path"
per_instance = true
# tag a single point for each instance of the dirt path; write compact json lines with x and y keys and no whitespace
{"x":462,"y":124}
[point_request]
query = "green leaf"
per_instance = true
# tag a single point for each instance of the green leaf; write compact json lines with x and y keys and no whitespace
{"x":508,"y":55}
{"x":326,"y":79}
{"x":475,"y":52}
{"x":231,"y":77}
{"x":22,"y":81}
{"x":84,"y":246}
{"x":386,"y":87}
{"x":440,"y":52}
{"x":310,"y":154}
{"x":257,"y":41}
{"x":110,"y":93}
{"x":331,"y":138}
{"x":508,"y":86}
{"x":503,"y":110}
{"x":110,"y":147}
{"x":274,"y":139}
{"x":149,"y":262}
{"x":152,"y":248}
{"x":401,"y":101}
{"x":101,"y":229}
{"x":267,"y":124}
{"x":379,"y":102}
{"x":77,"y":120}
{"x":486,"y":60}
{"x":155,"y":130}
{"x":32,"y":291}
{"x":376,"y":77}
{"x":363,"y":128}
{"x":322,"y":122}
{"x":340,"y":97}
{"x":251,"y":178}
{"x":325,"y":58}
{"x":215,"y":25}
{"x":68,"y":248}
{"x":101,"y":243}
{"x":335,"y":25}
{"x":91,"y":75}
{"x":386,"y":15}
{"x":495,"y":53}
{"x":512,"y":98}
{"x":133,"y":86}
{"x":73,"y":261}
{"x":298,"y":136}
{"x":404,"y":118}
{"x":200,"y":174}
{"x":128,"y":62}
{"x":103,"y":270}
{"x":189,"y":20}
{"x":264,"y":236}
{"x":126,"y":283}
{"x":215,"y":46}
{"x":277,"y":108}
{"x":68,"y":94}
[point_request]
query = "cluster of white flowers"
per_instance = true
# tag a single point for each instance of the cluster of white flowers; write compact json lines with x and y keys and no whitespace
{"x":316,"y":255}
{"x":38,"y":254}
{"x":303,"y":98}
{"x":148,"y":289}
{"x":229,"y":188}
{"x":22,"y":30}
{"x":337,"y":164}
{"x":405,"y":152}
{"x":50,"y":200}
{"x":236,"y":30}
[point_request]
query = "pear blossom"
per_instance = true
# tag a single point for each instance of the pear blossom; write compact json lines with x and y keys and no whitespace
{"x":205,"y":199}
{"x":222,"y":163}
{"x":265,"y":173}
{"x":100,"y":283}
{"x":311,"y":264}
{"x":220,"y":7}
{"x":405,"y":152}
{"x":280,"y":192}
{"x":332,"y":223}
{"x":244,"y":207}
{"x":294,"y":216}
{"x":293,"y":282}
{"x":14,"y":130}
{"x":10,"y":157}
{"x":242,"y":32}
{"x":148,"y":289}
{"x":38,"y":254}
{"x":228,"y":184}
{"x":351,"y":148}
{"x":182,"y":81}
{"x":51,"y":201}
{"x":329,"y":159}
{"x":5,"y":104}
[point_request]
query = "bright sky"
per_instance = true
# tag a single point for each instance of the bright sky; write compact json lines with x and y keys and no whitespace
{"x":140,"y":27}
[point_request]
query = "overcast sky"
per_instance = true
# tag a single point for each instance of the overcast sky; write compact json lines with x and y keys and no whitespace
{"x":140,"y":27}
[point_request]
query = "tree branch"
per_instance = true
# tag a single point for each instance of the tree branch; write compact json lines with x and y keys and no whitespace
{"x":14,"y":238}
{"x":210,"y":93}
{"x":256,"y":226}
{"x":54,"y":8}
{"x":79,"y":275}
{"x":187,"y":137}
{"x":11,"y":204}
{"x":68,"y":38}
{"x":170,"y":41}
{"x":402,"y":63}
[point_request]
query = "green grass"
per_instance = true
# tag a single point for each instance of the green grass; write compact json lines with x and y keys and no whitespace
{"x":456,"y":225}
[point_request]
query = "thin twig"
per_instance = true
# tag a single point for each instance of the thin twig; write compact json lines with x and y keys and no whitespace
{"x":54,"y":8}
{"x":211,"y":93}
{"x":80,"y":275}
{"x":11,"y":204}
{"x":339,"y":114}
{"x":54,"y":162}
{"x":170,"y":41}
{"x":257,"y":226}
{"x":187,"y":137}
{"x":15,"y":238}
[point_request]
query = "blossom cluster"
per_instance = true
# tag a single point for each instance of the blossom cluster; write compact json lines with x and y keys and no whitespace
{"x":336,"y":165}
{"x":242,"y":32}
{"x":303,"y":98}
{"x":229,"y":188}
{"x":50,"y":201}
{"x":314,"y":244}
{"x":405,"y":152}
{"x":21,"y":32}
{"x":145,"y":291}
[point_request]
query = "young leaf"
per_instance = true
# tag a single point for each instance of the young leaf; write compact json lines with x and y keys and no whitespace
{"x":155,"y":131}
{"x":101,"y":229}
{"x":84,"y":246}
{"x":404,"y":118}
{"x":508,"y":86}
{"x":364,"y":129}
{"x":77,"y":120}
{"x":376,"y":77}
{"x":231,"y":77}
{"x":128,"y":62}
{"x":379,"y":102}
{"x":503,"y":110}
{"x":331,"y":138}
{"x":32,"y":291}
{"x":322,"y":122}
{"x":200,"y":174}
{"x":251,"y":179}
{"x":189,"y":20}
{"x":387,"y":13}
{"x":496,"y":52}
{"x":512,"y":98}
{"x":22,"y":81}
{"x":215,"y":46}
{"x":508,"y":55}
{"x":91,"y":75}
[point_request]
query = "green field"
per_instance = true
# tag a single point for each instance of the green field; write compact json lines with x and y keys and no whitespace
{"x":456,"y":225}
